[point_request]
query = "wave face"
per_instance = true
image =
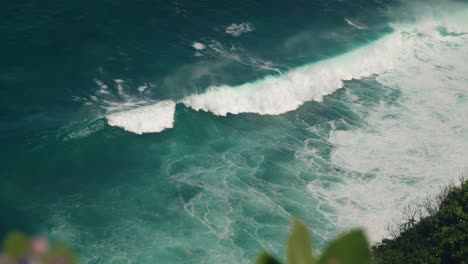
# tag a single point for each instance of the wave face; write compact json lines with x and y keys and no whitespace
{"x":199,"y":148}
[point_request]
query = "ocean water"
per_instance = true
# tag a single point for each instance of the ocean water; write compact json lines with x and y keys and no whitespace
{"x":191,"y":131}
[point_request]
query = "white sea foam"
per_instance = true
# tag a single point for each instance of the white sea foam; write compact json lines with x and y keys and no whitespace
{"x":198,"y":46}
{"x":142,"y":88}
{"x":119,"y":86}
{"x":236,"y":30}
{"x":355,"y":24}
{"x":145,"y":119}
{"x":406,"y":151}
{"x":275,"y":95}
{"x":103,"y":88}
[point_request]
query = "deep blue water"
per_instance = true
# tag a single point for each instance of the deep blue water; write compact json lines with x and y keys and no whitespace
{"x":191,"y":131}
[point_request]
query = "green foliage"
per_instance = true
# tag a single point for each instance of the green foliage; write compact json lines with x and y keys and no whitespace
{"x":351,"y":248}
{"x":441,"y":237}
{"x":266,"y":258}
{"x":348,"y":249}
{"x":299,"y":245}
{"x":16,"y":245}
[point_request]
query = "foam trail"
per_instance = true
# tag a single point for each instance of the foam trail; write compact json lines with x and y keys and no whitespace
{"x":276,"y":95}
{"x":198,"y":46}
{"x":353,"y":24}
{"x":147,"y":119}
{"x":236,"y":30}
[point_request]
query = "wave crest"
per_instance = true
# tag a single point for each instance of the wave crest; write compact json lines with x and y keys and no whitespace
{"x":275,"y":95}
{"x":146,"y":119}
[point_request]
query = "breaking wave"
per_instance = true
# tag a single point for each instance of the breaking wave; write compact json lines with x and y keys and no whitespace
{"x":275,"y":95}
{"x":278,"y":94}
{"x":146,"y":119}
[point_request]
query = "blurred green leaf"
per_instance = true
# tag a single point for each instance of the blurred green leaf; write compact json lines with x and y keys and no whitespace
{"x":266,"y":258}
{"x":16,"y":245}
{"x":60,"y":253}
{"x":352,"y":248}
{"x":299,"y":245}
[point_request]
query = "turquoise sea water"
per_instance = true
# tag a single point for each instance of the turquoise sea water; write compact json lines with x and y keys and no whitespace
{"x":190,"y":131}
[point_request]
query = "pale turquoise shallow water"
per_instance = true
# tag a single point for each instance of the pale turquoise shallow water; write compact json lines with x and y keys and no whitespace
{"x":202,"y":187}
